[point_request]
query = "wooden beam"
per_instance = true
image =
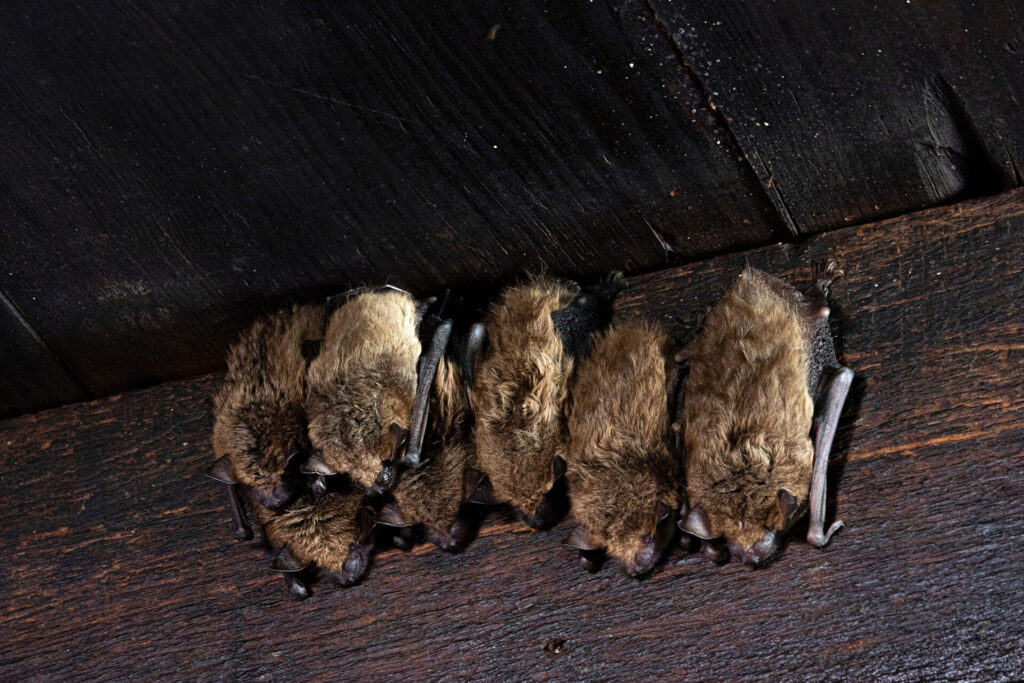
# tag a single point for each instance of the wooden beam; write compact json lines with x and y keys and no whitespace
{"x":850,"y":111}
{"x":196,"y":164}
{"x":118,"y":559}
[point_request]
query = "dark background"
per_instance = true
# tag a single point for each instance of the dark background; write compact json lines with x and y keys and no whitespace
{"x":169,"y":169}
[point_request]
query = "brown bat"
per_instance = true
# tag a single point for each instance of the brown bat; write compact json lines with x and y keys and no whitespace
{"x":763,"y":377}
{"x":521,"y":388}
{"x":362,"y":396}
{"x":329,"y":535}
{"x":624,"y":479}
{"x":259,"y":432}
{"x":435,"y":495}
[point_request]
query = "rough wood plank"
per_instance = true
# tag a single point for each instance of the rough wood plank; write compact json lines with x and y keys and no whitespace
{"x":850,"y":111}
{"x":118,"y":557}
{"x":199,"y":162}
{"x":33,"y":377}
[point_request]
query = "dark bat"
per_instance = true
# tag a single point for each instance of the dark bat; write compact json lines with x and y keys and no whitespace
{"x":259,"y":433}
{"x":362,"y":397}
{"x":625,"y":480}
{"x":436,"y":495}
{"x":763,"y":399}
{"x":330,"y":536}
{"x":521,"y":387}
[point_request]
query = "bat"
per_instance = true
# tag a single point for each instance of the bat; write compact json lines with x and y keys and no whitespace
{"x":259,"y":433}
{"x":762,"y":403}
{"x":435,"y":496}
{"x":363,"y":393}
{"x":521,"y":379}
{"x":327,"y":536}
{"x":625,"y":480}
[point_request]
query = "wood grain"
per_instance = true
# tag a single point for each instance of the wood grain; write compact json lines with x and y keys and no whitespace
{"x":850,"y":111}
{"x":119,"y":562}
{"x":170,"y":170}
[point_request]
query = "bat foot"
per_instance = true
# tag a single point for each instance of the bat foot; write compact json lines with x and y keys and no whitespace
{"x":714,"y":551}
{"x":590,"y":560}
{"x":243,"y":533}
{"x":825,"y":273}
{"x":296,"y":586}
{"x":819,"y":538}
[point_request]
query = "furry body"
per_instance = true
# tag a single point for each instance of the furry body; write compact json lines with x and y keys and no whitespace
{"x":260,"y":420}
{"x":749,"y":410}
{"x":620,"y":465}
{"x":362,"y":384}
{"x":520,"y":392}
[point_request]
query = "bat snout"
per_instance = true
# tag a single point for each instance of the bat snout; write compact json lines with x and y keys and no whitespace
{"x":356,"y":564}
{"x":280,"y":496}
{"x":759,"y":554}
{"x":645,"y":558}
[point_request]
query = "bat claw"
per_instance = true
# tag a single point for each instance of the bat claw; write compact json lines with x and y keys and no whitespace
{"x":825,"y":272}
{"x":819,"y":538}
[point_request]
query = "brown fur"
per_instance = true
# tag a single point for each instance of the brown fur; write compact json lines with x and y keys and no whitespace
{"x":324,"y":531}
{"x":433,"y":495}
{"x":748,"y":409}
{"x":520,"y":393}
{"x":259,"y":408}
{"x":363,"y":381}
{"x":619,"y":463}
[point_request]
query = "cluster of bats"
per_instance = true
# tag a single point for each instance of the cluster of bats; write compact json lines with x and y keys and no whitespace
{"x":379,"y":418}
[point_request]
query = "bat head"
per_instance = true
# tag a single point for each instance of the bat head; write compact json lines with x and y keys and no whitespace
{"x":265,"y":444}
{"x":752,"y":498}
{"x":359,"y":426}
{"x":629,"y":514}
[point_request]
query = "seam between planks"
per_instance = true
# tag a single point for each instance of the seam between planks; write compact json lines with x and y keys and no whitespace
{"x":6,"y":301}
{"x":768,"y":188}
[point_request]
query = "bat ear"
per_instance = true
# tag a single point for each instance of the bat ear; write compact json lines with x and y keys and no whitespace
{"x":317,"y":465}
{"x":286,"y":562}
{"x":391,"y":515}
{"x":581,"y":540}
{"x":222,"y":471}
{"x":558,"y":467}
{"x":366,"y":519}
{"x":311,"y":349}
{"x":479,"y":489}
{"x":665,"y":527}
{"x":696,"y":523}
{"x":788,"y":506}
{"x":399,"y":440}
{"x":295,"y":456}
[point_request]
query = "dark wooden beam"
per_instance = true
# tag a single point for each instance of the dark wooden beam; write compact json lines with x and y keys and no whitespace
{"x":168,"y":171}
{"x":118,"y":559}
{"x":850,"y":111}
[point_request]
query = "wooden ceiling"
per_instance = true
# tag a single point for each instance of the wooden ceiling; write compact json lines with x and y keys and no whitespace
{"x":168,"y":170}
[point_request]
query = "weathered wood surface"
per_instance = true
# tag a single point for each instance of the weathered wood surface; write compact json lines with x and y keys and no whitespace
{"x":169,"y":169}
{"x":118,"y":558}
{"x":850,"y":111}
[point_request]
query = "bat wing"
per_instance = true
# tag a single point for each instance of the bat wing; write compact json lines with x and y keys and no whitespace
{"x":421,"y":404}
{"x":826,"y":422}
